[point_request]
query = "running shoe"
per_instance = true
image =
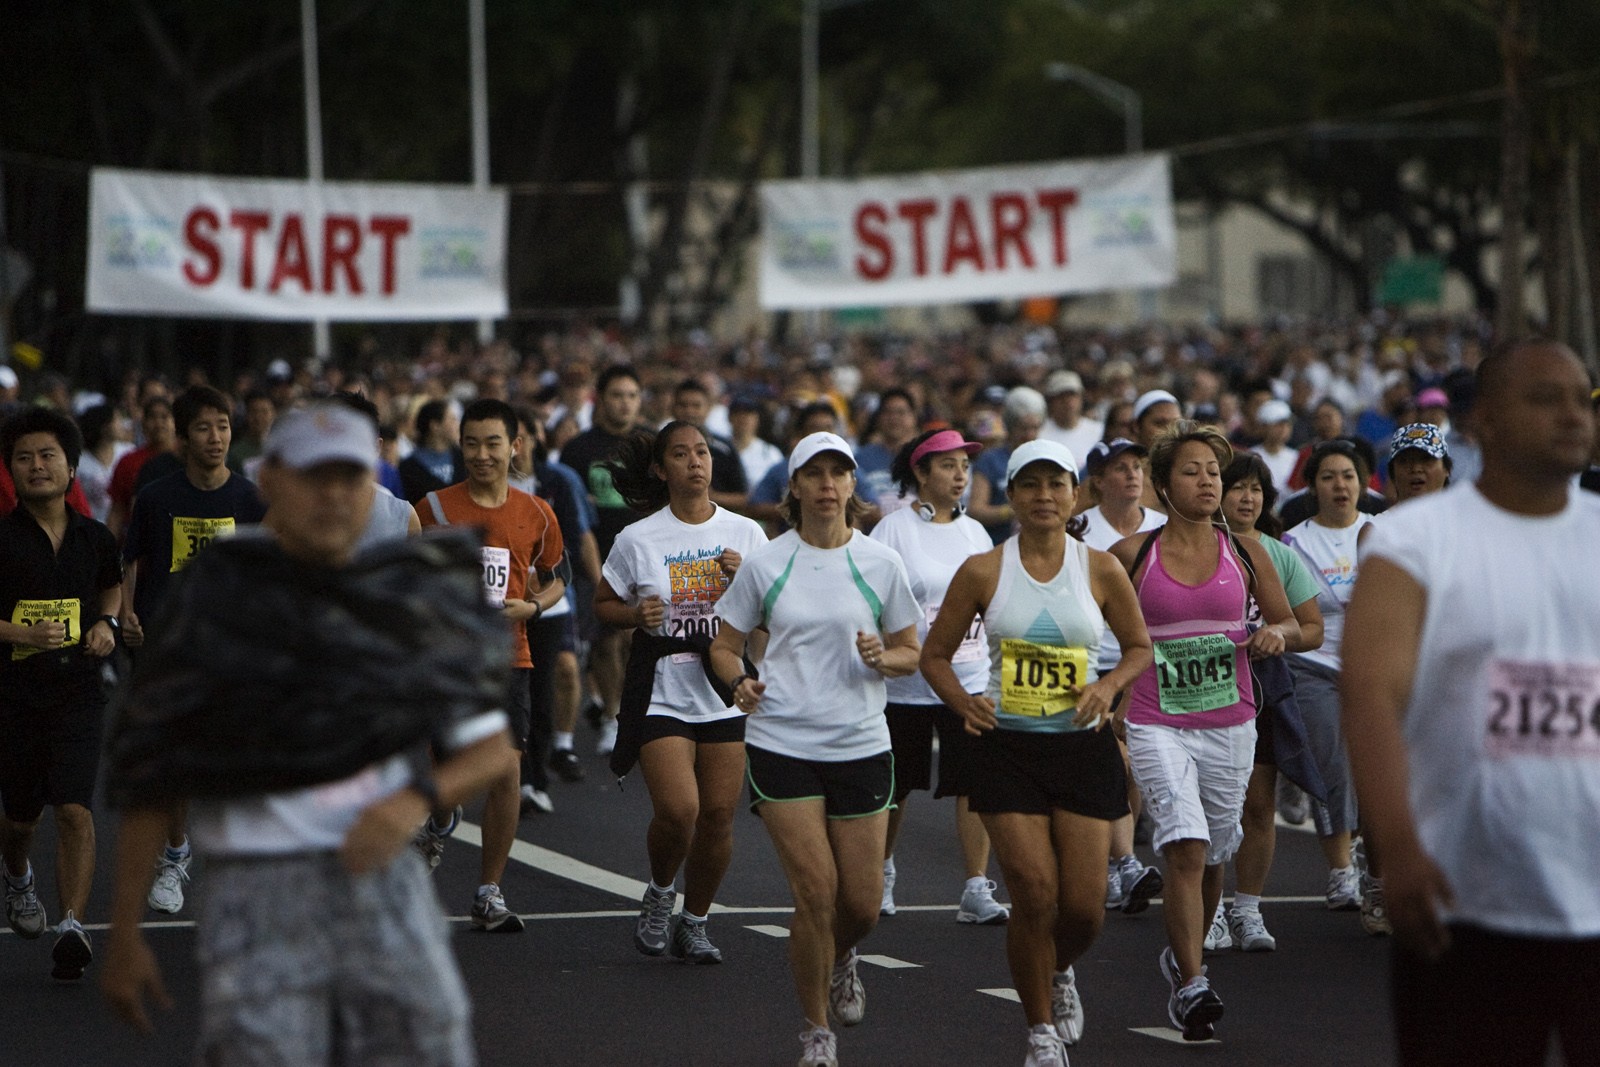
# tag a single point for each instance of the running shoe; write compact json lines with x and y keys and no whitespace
{"x":1066,"y":1008}
{"x":72,"y":953}
{"x":567,"y":765}
{"x":655,"y":915}
{"x":979,"y":906}
{"x":594,"y":710}
{"x":24,"y":913}
{"x":1045,"y":1049}
{"x":1189,"y":1011}
{"x":1374,"y":913}
{"x":1249,"y":931}
{"x":691,"y":945}
{"x":847,"y":997}
{"x":429,"y":840}
{"x":819,"y":1048}
{"x":490,"y":914}
{"x":1293,"y":804}
{"x":608,"y":738}
{"x":536,"y":800}
{"x":1115,"y":897}
{"x":1218,"y":937}
{"x":166,"y":893}
{"x":1344,"y":890}
{"x":886,"y":907}
{"x":1140,"y":885}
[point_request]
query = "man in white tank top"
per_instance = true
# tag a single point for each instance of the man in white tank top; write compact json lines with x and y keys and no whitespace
{"x":1471,"y":702}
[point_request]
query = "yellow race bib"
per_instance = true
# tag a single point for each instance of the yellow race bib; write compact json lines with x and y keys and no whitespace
{"x":189,"y":536}
{"x":1034,"y":678}
{"x":32,"y":612}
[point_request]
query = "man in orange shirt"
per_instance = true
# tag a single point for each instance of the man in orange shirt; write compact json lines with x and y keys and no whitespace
{"x":523,"y":574}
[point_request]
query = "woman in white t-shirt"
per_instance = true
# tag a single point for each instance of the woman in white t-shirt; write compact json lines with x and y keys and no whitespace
{"x":664,"y":576}
{"x":841,"y":618}
{"x":1336,"y":473}
{"x":934,"y":536}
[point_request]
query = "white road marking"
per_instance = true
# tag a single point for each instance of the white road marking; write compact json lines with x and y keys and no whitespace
{"x":1167,"y":1033}
{"x":770,"y":931}
{"x":1003,"y":994}
{"x":555,"y":863}
{"x":888,"y":962}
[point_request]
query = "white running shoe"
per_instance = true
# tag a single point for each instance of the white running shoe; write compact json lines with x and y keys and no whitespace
{"x":1374,"y":913}
{"x":1114,"y":894}
{"x":490,"y":914}
{"x":24,"y":913}
{"x":1249,"y":931}
{"x":1293,"y":804}
{"x":166,"y":893}
{"x":608,"y":738}
{"x":847,"y":997}
{"x":1140,"y":885}
{"x":979,"y":906}
{"x":1045,"y":1049}
{"x":819,"y":1048}
{"x":655,"y":915}
{"x":887,"y":906}
{"x":1344,"y":890}
{"x":1218,"y":937}
{"x":1066,"y":1008}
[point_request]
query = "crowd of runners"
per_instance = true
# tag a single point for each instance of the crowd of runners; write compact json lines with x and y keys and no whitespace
{"x":1102,"y":590}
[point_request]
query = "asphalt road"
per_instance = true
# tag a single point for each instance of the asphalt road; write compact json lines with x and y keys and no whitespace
{"x":572,"y":990}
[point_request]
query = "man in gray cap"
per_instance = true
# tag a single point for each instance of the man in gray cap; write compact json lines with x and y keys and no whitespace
{"x":1067,"y":424}
{"x":320,"y":929}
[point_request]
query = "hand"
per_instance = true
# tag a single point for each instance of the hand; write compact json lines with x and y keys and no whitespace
{"x":1267,"y":641}
{"x":1094,"y":703}
{"x":978,"y":711}
{"x":651,"y":610}
{"x":729,"y":562}
{"x":47,"y":635}
{"x":870,"y":646}
{"x":1414,"y":889}
{"x":747,"y":697}
{"x":129,"y":973}
{"x":132,"y":632}
{"x":100,"y":640}
{"x":382,"y":831}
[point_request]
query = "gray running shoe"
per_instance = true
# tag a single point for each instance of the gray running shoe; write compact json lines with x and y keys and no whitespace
{"x":490,"y":914}
{"x":1066,"y":1008}
{"x":72,"y":953}
{"x":1344,"y":890}
{"x":1248,"y":931}
{"x":1115,"y":897}
{"x":691,"y":945}
{"x":847,"y":997}
{"x":1194,"y":1009}
{"x":24,"y":913}
{"x":567,"y":765}
{"x":1293,"y":804}
{"x":886,"y":906}
{"x":1374,"y":913}
{"x":166,"y":893}
{"x":429,"y":840}
{"x":819,"y":1048}
{"x":1140,"y":885}
{"x":655,"y":914}
{"x":1045,"y":1049}
{"x":1218,"y":937}
{"x":979,"y":906}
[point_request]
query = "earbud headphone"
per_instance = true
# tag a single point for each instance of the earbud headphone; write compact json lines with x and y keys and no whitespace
{"x":927,"y":513}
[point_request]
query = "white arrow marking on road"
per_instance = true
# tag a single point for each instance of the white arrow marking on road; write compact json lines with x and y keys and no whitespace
{"x":770,"y":931}
{"x":1003,"y":994}
{"x":888,"y":962}
{"x":562,"y":866}
{"x":1166,"y":1033}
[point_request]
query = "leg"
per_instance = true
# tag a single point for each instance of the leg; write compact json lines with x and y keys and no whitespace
{"x":799,"y":833}
{"x":1022,"y":844}
{"x":1187,"y":918}
{"x":1080,"y":885}
{"x":16,"y":842}
{"x":719,"y":769}
{"x":500,"y":813}
{"x":568,"y":690}
{"x":974,"y":840}
{"x":897,"y":815}
{"x":857,"y":845}
{"x":1336,"y":849}
{"x":1254,"y":858}
{"x":178,"y":825}
{"x":606,"y":661}
{"x":668,"y":764}
{"x":74,"y":857}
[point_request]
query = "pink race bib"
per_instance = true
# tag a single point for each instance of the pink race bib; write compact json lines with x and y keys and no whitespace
{"x":1543,"y":709}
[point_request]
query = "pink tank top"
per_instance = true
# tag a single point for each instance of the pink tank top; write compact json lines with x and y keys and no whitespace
{"x":1201,"y":678}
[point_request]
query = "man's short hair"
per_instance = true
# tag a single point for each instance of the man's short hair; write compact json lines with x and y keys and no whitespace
{"x":612,"y":373}
{"x":188,"y":405}
{"x":691,"y":385}
{"x":490,"y":408}
{"x":35,"y":419}
{"x":429,"y":415}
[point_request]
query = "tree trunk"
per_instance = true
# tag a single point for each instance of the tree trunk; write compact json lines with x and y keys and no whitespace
{"x":1518,"y":24}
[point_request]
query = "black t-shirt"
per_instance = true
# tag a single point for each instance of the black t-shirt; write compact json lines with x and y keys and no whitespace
{"x":584,"y":454}
{"x":1590,"y":480}
{"x":172,"y":520}
{"x":38,"y":582}
{"x":157,"y":466}
{"x":727,"y":471}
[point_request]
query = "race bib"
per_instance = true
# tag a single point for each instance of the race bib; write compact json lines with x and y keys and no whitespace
{"x":496,"y":575}
{"x":31,"y":612}
{"x":189,"y":536}
{"x":974,"y":646}
{"x":698,"y":618}
{"x":1034,"y":678}
{"x":1195,"y":674}
{"x":1543,"y":709}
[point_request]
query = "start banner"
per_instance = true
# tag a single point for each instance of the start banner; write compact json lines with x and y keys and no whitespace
{"x":953,"y":236}
{"x":195,"y":245}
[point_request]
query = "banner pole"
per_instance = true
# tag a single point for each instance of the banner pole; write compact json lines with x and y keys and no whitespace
{"x":321,"y":336}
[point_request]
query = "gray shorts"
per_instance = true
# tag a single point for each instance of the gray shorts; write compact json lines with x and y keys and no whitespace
{"x":303,"y":963}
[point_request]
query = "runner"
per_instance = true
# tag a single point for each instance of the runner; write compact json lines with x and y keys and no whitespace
{"x":1116,"y":477}
{"x":1048,"y":779}
{"x":664,"y":577}
{"x":934,"y":536}
{"x":1336,"y":473}
{"x":1468,"y":688}
{"x":1154,"y":413}
{"x":160,"y":438}
{"x":319,"y":937}
{"x":60,"y":588}
{"x":841,"y":618}
{"x":521,"y":541}
{"x":1023,"y":414}
{"x":893,"y":423}
{"x":1191,"y":729}
{"x":436,"y":461}
{"x":174,"y":518}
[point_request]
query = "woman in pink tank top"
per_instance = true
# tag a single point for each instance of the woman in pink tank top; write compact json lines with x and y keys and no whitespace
{"x":1191,"y":715}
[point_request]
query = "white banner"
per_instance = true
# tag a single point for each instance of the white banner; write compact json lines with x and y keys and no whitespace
{"x":164,"y":244}
{"x":952,"y":236}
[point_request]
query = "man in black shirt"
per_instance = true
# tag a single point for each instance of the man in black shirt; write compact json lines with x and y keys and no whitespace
{"x":691,"y":403}
{"x":436,"y":461}
{"x":60,"y":589}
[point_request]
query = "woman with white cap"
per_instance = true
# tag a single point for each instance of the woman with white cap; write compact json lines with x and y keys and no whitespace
{"x":1048,"y":780}
{"x":1153,"y":414}
{"x":841,"y":618}
{"x":934,"y":536}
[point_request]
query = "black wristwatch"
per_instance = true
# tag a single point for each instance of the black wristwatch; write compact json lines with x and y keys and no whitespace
{"x":733,"y":686}
{"x":111,"y":621}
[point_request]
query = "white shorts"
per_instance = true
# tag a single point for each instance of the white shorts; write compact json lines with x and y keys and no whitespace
{"x":1193,"y":783}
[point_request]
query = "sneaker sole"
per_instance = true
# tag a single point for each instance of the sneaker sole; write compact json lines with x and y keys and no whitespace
{"x":702,"y":960}
{"x":648,"y":949}
{"x":164,"y":911}
{"x":1201,"y":1025}
{"x":1149,"y":885}
{"x":30,"y":935}
{"x":71,"y":957}
{"x":973,"y":919}
{"x":511,"y":924}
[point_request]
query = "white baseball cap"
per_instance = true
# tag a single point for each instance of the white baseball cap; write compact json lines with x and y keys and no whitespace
{"x":812,"y":445}
{"x":1040,"y":451}
{"x":1274,"y":411}
{"x":323,"y":433}
{"x":1150,"y":400}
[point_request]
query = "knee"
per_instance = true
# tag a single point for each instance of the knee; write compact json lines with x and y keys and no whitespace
{"x":815,"y":900}
{"x":1185,"y":859}
{"x":1033,"y":893}
{"x":715,"y":821}
{"x":679,"y":819}
{"x":72,"y":817}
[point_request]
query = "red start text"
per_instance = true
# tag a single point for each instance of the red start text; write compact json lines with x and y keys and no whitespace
{"x":945,"y":235}
{"x":293,"y":252}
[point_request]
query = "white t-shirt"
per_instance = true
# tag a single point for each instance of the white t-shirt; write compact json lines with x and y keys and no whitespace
{"x":1281,"y":465}
{"x":661,"y":555}
{"x":822,"y":701}
{"x":1079,"y":440}
{"x":1331,"y":557}
{"x":1102,"y":535}
{"x":95,"y":477}
{"x":758,"y":457}
{"x":1506,"y":794}
{"x":932,"y":552}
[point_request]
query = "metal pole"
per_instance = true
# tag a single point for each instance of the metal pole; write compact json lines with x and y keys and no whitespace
{"x":321,"y":337}
{"x":480,"y":120}
{"x":810,"y":20}
{"x":1580,"y":266}
{"x":5,"y":277}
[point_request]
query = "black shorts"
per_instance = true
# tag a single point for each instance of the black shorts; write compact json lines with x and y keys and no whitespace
{"x":519,"y":707}
{"x":1038,"y":773}
{"x":1265,"y":756}
{"x":716,"y":732}
{"x":911,"y":730}
{"x":848,"y":789}
{"x":50,"y":752}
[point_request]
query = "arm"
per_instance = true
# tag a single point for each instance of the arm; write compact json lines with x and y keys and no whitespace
{"x":39,"y":635}
{"x":727,"y":659}
{"x":1113,"y":590}
{"x":612,"y":610}
{"x":1309,"y":616}
{"x":1383,"y":631}
{"x":130,"y":970}
{"x":99,"y":639}
{"x":979,"y":508}
{"x":589,"y":557}
{"x":1282,"y":629}
{"x":132,"y":632}
{"x":893,"y":656}
{"x":968,"y":596}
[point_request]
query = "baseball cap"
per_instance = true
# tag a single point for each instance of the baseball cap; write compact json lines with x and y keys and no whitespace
{"x":323,"y":433}
{"x":993,"y":394}
{"x":8,"y":377}
{"x":945,"y":441}
{"x":1063,"y":381}
{"x":1105,"y":451}
{"x":1150,"y":400}
{"x":1422,"y":436}
{"x":1038,"y":451}
{"x":1433,"y":398}
{"x":813,"y":445}
{"x":1274,"y":411}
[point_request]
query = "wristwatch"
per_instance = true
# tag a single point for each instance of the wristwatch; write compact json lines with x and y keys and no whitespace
{"x":111,"y":621}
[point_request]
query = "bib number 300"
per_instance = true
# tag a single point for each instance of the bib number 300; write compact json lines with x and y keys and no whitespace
{"x":1195,"y":674}
{"x":1034,"y":678}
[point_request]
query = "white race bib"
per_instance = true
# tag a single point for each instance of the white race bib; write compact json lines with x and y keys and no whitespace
{"x":496,"y":575}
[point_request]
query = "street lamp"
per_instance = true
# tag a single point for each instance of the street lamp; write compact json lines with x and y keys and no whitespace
{"x":1113,"y":92}
{"x":810,"y":127}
